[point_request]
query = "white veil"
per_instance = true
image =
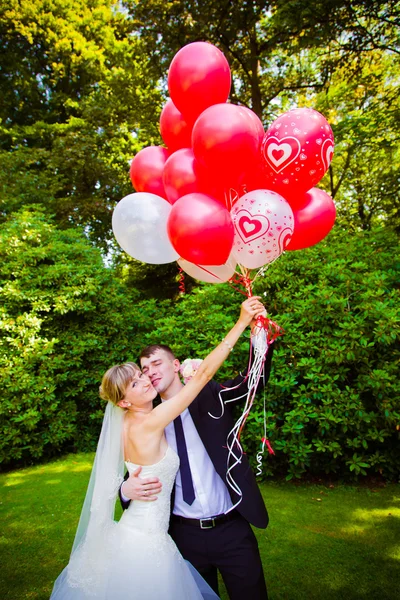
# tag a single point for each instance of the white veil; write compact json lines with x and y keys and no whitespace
{"x":91,"y":548}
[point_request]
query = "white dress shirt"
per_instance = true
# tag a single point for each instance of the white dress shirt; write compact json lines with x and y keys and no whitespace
{"x":212,"y":496}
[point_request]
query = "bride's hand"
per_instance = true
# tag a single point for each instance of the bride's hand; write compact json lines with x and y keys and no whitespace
{"x":136,"y":488}
{"x":251,"y":309}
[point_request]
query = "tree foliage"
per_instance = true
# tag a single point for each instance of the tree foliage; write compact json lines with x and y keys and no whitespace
{"x":64,"y":320}
{"x":339,"y":57}
{"x":78,"y":100}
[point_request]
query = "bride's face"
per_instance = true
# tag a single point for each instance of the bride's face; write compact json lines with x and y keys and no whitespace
{"x":139,"y":390}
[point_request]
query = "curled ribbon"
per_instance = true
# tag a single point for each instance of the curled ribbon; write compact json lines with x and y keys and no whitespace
{"x":181,"y":281}
{"x":272,"y":329}
{"x":259,"y":456}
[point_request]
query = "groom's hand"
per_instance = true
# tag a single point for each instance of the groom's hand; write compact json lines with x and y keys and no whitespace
{"x":135,"y":488}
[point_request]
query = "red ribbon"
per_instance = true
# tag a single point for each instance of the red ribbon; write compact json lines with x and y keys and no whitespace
{"x":272,"y":329}
{"x":239,"y":282}
{"x":266,"y":442}
{"x":181,"y":281}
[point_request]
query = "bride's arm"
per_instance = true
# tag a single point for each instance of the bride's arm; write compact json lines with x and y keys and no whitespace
{"x":169,"y":410}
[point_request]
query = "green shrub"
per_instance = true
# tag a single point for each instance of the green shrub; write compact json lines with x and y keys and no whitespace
{"x":64,"y":321}
{"x":333,"y":397}
{"x":334,"y":400}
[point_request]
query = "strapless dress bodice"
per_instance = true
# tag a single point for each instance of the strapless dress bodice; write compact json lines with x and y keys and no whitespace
{"x":153,"y":516}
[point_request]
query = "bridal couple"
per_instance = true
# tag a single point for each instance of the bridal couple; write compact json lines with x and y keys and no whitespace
{"x":175,"y":495}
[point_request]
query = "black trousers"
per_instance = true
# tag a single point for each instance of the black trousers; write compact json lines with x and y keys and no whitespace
{"x":230,"y":548}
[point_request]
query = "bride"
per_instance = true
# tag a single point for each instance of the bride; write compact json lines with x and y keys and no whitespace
{"x":135,"y":558}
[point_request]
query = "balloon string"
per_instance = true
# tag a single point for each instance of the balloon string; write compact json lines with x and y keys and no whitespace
{"x":267,"y":443}
{"x":272,"y":329}
{"x":263,"y":439}
{"x":235,"y":450}
{"x":265,"y":333}
{"x":240,"y":281}
{"x":264,"y":442}
{"x":181,"y":281}
{"x":230,"y":197}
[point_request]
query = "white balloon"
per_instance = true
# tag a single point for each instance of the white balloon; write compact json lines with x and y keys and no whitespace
{"x":139,"y":224}
{"x":213,"y":274}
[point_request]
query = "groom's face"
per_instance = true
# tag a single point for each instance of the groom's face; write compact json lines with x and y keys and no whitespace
{"x":161,"y":369}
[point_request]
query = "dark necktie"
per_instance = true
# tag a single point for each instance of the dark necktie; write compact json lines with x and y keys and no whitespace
{"x":186,"y":476}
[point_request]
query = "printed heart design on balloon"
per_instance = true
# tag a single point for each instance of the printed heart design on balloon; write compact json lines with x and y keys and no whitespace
{"x":280,"y":153}
{"x":327,"y":153}
{"x":284,"y":238}
{"x":250,"y":227}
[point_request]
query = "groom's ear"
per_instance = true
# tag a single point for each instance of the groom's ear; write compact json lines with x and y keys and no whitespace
{"x":177,"y":365}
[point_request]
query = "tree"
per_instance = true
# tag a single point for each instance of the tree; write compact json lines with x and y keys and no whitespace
{"x":79,"y":98}
{"x":337,"y":56}
{"x":64,"y":320}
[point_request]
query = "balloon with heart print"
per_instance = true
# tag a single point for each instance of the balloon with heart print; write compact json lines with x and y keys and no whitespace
{"x":209,"y":273}
{"x":297,"y":150}
{"x":263,"y":222}
{"x":200,"y":229}
{"x":313,"y":219}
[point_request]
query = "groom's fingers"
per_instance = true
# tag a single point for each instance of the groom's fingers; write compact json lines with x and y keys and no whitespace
{"x":136,"y":488}
{"x":151,"y":487}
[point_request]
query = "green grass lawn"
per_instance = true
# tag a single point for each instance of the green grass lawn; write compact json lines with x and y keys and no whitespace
{"x":322,"y":543}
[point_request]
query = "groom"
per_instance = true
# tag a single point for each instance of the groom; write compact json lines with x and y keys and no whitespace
{"x":206,"y":532}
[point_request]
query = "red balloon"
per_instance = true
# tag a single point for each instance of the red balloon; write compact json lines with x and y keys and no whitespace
{"x":296,"y":151}
{"x":201,"y":229}
{"x":184,"y":175}
{"x":175,"y":132}
{"x":181,"y":175}
{"x":147,"y":169}
{"x":257,"y":123}
{"x":313,"y":219}
{"x":198,"y":77}
{"x":226,"y":140}
{"x":226,"y":188}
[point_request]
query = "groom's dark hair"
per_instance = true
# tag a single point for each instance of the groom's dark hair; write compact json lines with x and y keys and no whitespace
{"x":149,"y":350}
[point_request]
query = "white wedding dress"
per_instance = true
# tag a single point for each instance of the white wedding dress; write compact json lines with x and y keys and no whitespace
{"x":139,"y":560}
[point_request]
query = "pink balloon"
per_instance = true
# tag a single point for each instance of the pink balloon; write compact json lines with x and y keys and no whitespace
{"x":297,"y":150}
{"x":210,"y":273}
{"x":175,"y":132}
{"x":181,"y":175}
{"x":198,"y":77}
{"x":200,"y":229}
{"x":147,"y":170}
{"x":226,"y":140}
{"x":263,"y":223}
{"x":313,"y":220}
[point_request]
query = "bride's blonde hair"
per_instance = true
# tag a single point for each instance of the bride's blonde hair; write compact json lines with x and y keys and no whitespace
{"x":115,"y":381}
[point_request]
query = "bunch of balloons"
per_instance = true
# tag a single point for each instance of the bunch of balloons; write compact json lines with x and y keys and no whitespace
{"x":222,"y":191}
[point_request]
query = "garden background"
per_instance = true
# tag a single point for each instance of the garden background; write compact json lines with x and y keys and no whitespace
{"x":82,"y":86}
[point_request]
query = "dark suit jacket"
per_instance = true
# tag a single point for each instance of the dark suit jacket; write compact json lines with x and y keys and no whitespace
{"x":214,"y":432}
